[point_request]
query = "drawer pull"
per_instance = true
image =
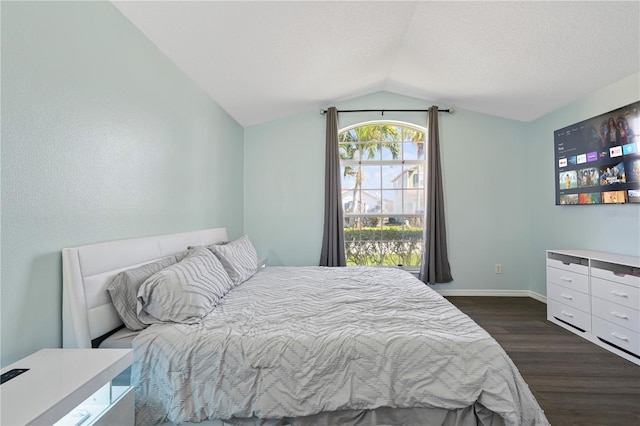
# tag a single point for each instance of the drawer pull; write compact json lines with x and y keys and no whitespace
{"x":619,"y":293}
{"x":566,"y":296}
{"x":568,"y":314}
{"x":620,"y":336}
{"x":619,"y":315}
{"x":567,"y":279}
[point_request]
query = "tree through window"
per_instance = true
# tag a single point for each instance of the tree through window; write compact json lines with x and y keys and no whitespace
{"x":383,"y":192}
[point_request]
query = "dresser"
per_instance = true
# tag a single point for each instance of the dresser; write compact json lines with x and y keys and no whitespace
{"x":597,"y":296}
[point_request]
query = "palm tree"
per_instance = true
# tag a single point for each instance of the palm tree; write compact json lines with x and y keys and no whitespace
{"x":415,"y":136}
{"x":363,"y":143}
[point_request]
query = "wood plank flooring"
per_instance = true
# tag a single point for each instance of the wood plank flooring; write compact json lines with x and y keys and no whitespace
{"x":575,"y":381}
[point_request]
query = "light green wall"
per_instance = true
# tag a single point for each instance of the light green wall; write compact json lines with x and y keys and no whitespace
{"x":611,"y":228}
{"x":284,"y":187}
{"x":484,"y":173}
{"x":103,"y":138}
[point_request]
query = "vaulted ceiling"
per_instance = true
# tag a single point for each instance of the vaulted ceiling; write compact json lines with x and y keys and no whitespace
{"x":263,"y":60}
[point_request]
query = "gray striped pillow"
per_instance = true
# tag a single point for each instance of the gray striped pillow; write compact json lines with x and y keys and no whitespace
{"x":184,"y":292}
{"x":124,"y":287}
{"x":239,"y":259}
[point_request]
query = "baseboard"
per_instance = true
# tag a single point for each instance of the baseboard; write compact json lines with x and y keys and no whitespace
{"x":494,"y":293}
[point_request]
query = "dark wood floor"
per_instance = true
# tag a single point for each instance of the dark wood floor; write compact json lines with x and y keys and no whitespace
{"x":575,"y":381}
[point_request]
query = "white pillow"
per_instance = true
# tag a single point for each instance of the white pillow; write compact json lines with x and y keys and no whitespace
{"x":184,"y":292}
{"x":239,"y":259}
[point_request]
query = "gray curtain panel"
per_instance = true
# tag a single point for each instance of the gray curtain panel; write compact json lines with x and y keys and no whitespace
{"x":435,"y":262}
{"x":332,"y":253}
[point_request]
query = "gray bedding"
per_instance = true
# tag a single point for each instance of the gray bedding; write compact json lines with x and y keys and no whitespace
{"x":296,"y":342}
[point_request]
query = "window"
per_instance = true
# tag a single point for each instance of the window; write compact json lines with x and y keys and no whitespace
{"x":383,"y":195}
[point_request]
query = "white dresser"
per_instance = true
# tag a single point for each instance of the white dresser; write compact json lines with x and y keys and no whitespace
{"x":597,"y":296}
{"x":68,"y":387}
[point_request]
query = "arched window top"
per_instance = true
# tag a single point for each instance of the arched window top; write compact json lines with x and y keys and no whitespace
{"x":384,"y":130}
{"x":382,"y":140}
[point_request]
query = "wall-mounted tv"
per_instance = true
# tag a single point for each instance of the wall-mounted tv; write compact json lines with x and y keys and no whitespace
{"x":598,"y":159}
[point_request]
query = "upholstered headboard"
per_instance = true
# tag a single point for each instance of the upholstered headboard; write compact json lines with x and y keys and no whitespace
{"x":87,"y":310}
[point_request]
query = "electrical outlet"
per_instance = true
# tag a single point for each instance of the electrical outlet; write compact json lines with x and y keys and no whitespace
{"x":498,"y":268}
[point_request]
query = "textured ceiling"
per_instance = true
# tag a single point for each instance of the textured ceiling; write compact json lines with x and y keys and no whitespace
{"x":265,"y":60}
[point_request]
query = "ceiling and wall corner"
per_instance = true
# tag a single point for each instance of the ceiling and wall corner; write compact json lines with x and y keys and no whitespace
{"x":514,"y":59}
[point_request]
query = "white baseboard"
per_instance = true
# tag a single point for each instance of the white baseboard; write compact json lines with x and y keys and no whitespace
{"x":495,"y":293}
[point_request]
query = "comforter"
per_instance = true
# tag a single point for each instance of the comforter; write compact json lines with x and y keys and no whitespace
{"x":296,"y":341}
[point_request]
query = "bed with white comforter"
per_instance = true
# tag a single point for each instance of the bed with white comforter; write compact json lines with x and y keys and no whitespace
{"x":292,"y":342}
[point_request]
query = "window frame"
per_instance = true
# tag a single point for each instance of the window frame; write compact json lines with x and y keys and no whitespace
{"x":405,"y":166}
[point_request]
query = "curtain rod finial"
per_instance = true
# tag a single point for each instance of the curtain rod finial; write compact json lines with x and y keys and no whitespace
{"x":451,"y":110}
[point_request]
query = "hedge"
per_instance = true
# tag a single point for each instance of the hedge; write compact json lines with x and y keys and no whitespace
{"x":387,"y":246}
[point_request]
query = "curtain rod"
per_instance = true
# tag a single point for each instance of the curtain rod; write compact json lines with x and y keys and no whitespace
{"x":450,"y":110}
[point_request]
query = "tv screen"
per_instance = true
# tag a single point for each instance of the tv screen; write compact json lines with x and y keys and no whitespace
{"x":598,"y":159}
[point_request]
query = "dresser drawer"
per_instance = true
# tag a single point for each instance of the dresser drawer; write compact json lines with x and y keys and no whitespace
{"x":569,"y":297}
{"x":618,"y":314}
{"x":621,"y":277}
{"x":568,"y":279}
{"x":619,"y":336}
{"x":569,"y":314}
{"x":573,"y":265}
{"x":616,"y":293}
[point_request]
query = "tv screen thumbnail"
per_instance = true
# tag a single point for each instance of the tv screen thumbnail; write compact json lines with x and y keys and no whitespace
{"x":598,"y":159}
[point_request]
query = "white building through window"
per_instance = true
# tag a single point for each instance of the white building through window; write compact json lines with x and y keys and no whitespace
{"x":383,"y":192}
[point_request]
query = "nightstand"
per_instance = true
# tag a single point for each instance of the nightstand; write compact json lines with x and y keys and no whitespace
{"x":68,"y":387}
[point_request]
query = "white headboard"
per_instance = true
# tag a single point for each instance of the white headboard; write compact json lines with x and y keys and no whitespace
{"x":87,"y":310}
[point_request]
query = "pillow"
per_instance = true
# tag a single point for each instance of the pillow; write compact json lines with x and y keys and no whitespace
{"x":184,"y":254}
{"x":210,"y":246}
{"x":124,"y":287}
{"x":184,"y":292}
{"x":239,"y":259}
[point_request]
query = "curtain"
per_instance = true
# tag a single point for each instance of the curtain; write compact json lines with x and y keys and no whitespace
{"x":435,"y":262}
{"x":332,"y":253}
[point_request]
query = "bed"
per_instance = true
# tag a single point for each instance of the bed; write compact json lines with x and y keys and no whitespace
{"x":295,"y":345}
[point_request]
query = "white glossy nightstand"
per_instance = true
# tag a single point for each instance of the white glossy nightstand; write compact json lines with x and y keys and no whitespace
{"x":68,"y":387}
